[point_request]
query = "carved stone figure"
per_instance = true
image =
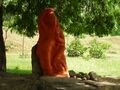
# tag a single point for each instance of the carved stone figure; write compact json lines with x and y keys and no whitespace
{"x":51,"y":45}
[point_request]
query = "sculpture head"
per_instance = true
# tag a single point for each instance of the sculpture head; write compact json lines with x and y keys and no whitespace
{"x":48,"y":10}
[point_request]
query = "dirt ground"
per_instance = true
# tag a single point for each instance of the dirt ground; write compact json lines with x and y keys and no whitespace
{"x":9,"y":81}
{"x":15,"y":42}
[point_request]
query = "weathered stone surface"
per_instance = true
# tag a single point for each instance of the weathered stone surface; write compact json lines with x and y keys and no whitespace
{"x":23,"y":82}
{"x":53,"y":83}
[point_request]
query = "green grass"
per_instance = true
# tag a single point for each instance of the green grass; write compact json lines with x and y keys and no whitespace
{"x":18,"y":64}
{"x":103,"y":67}
{"x":100,"y":66}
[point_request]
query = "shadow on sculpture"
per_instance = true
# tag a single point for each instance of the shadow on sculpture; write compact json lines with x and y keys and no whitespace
{"x":36,"y":69}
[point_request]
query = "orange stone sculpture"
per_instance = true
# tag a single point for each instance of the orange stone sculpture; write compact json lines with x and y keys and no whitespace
{"x":51,"y":45}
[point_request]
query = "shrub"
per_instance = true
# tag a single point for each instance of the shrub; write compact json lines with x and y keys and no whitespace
{"x":97,"y":49}
{"x":75,"y":49}
{"x":94,"y":50}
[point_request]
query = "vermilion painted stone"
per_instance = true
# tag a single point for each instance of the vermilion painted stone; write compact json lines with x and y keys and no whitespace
{"x":51,"y":45}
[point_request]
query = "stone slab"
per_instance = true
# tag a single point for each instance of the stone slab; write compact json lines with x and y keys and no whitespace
{"x":54,"y":83}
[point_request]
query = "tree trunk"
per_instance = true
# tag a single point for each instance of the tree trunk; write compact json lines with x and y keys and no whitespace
{"x":2,"y":45}
{"x":6,"y":35}
{"x":23,"y":46}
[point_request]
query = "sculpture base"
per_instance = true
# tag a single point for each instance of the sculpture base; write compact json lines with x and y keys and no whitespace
{"x":28,"y":82}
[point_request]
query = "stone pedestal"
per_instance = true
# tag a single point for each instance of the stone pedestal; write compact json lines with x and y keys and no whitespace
{"x":28,"y":82}
{"x":53,"y":83}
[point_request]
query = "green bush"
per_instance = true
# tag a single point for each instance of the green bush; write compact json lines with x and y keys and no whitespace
{"x":97,"y":49}
{"x":94,"y":50}
{"x":75,"y":49}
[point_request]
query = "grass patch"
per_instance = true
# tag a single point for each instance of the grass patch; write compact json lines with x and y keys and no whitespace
{"x":103,"y":67}
{"x":17,"y":64}
{"x":19,"y":71}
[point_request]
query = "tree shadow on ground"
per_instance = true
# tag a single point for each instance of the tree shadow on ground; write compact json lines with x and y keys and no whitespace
{"x":18,"y":71}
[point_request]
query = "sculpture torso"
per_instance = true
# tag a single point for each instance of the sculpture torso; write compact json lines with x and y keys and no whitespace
{"x":51,"y":45}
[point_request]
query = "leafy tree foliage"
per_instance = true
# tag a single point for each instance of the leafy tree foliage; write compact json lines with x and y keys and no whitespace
{"x":99,"y":17}
{"x":115,"y":8}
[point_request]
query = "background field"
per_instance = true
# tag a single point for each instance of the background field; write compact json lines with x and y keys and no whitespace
{"x":106,"y":67}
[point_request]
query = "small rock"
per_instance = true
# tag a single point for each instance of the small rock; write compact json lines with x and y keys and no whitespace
{"x":93,"y":76}
{"x":72,"y":74}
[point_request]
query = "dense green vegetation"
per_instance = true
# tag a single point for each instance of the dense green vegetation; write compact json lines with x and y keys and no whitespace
{"x":76,"y":49}
{"x":99,"y":17}
{"x":95,"y":49}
